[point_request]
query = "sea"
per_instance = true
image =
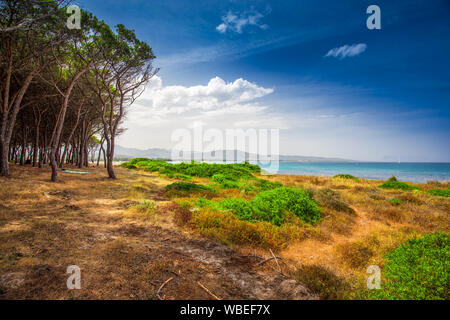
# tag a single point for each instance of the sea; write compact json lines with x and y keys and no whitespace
{"x":408,"y":171}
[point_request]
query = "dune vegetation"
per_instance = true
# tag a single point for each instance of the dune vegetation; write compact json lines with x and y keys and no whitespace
{"x":335,"y":227}
{"x":163,"y":218}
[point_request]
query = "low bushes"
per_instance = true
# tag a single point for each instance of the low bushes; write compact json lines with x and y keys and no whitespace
{"x":393,"y":183}
{"x":204,"y":170}
{"x":187,"y":186}
{"x":417,"y":270}
{"x":346,"y":176}
{"x":274,"y":206}
{"x":440,"y":192}
{"x":242,"y":208}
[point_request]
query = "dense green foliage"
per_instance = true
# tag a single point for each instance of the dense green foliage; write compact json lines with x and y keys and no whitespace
{"x":204,"y":170}
{"x":397,"y":185}
{"x":417,"y":270}
{"x":346,"y":176}
{"x":240,"y":207}
{"x":440,"y":192}
{"x":272,"y":206}
{"x":273,"y":203}
{"x":187,"y":186}
{"x":227,"y":176}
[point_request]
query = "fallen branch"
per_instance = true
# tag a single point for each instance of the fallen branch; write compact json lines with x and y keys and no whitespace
{"x":162,"y":286}
{"x":207,"y":291}
{"x":276,"y":260}
{"x":269,"y":259}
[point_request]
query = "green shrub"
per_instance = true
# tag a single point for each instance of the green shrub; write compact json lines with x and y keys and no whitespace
{"x":205,"y":170}
{"x":240,"y":207}
{"x":440,"y":192}
{"x":395,"y":202}
{"x":397,"y":185}
{"x":227,"y":184}
{"x":264,"y":185}
{"x":392,"y":179}
{"x":180,"y":176}
{"x":187,"y":186}
{"x":220,"y":177}
{"x":346,"y":176}
{"x":273,"y":206}
{"x":332,"y":199}
{"x":417,"y":270}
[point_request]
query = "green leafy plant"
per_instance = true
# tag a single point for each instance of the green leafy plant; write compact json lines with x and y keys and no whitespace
{"x":240,"y":207}
{"x":397,"y":185}
{"x":440,"y":192}
{"x":187,"y":186}
{"x":417,"y":270}
{"x":273,"y":206}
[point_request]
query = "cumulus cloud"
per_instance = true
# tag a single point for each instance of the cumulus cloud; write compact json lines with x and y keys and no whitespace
{"x":347,"y":51}
{"x":236,"y":22}
{"x":219,"y":104}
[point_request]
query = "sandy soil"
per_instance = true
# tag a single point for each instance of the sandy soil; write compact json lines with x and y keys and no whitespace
{"x":84,"y":220}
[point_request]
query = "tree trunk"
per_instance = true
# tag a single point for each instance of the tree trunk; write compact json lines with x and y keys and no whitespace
{"x":110,"y":159}
{"x":4,"y":170}
{"x":6,"y":129}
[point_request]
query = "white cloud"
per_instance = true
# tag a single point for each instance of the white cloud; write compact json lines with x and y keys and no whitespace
{"x":236,"y":22}
{"x":218,"y":104}
{"x":347,"y":51}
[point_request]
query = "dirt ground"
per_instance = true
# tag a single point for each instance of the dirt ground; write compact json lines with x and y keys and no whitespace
{"x":85,"y":221}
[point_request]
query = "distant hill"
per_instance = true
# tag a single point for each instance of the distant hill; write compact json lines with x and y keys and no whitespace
{"x":158,"y":153}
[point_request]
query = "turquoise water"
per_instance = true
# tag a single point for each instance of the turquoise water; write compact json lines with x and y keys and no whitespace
{"x":414,"y":172}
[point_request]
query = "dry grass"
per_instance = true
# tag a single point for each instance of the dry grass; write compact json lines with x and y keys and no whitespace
{"x":127,"y":247}
{"x":355,"y":242}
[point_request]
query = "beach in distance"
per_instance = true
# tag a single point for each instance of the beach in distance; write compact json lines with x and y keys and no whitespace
{"x":420,"y":172}
{"x":413,"y":172}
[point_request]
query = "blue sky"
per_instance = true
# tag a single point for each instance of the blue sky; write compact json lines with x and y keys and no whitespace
{"x":385,"y":97}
